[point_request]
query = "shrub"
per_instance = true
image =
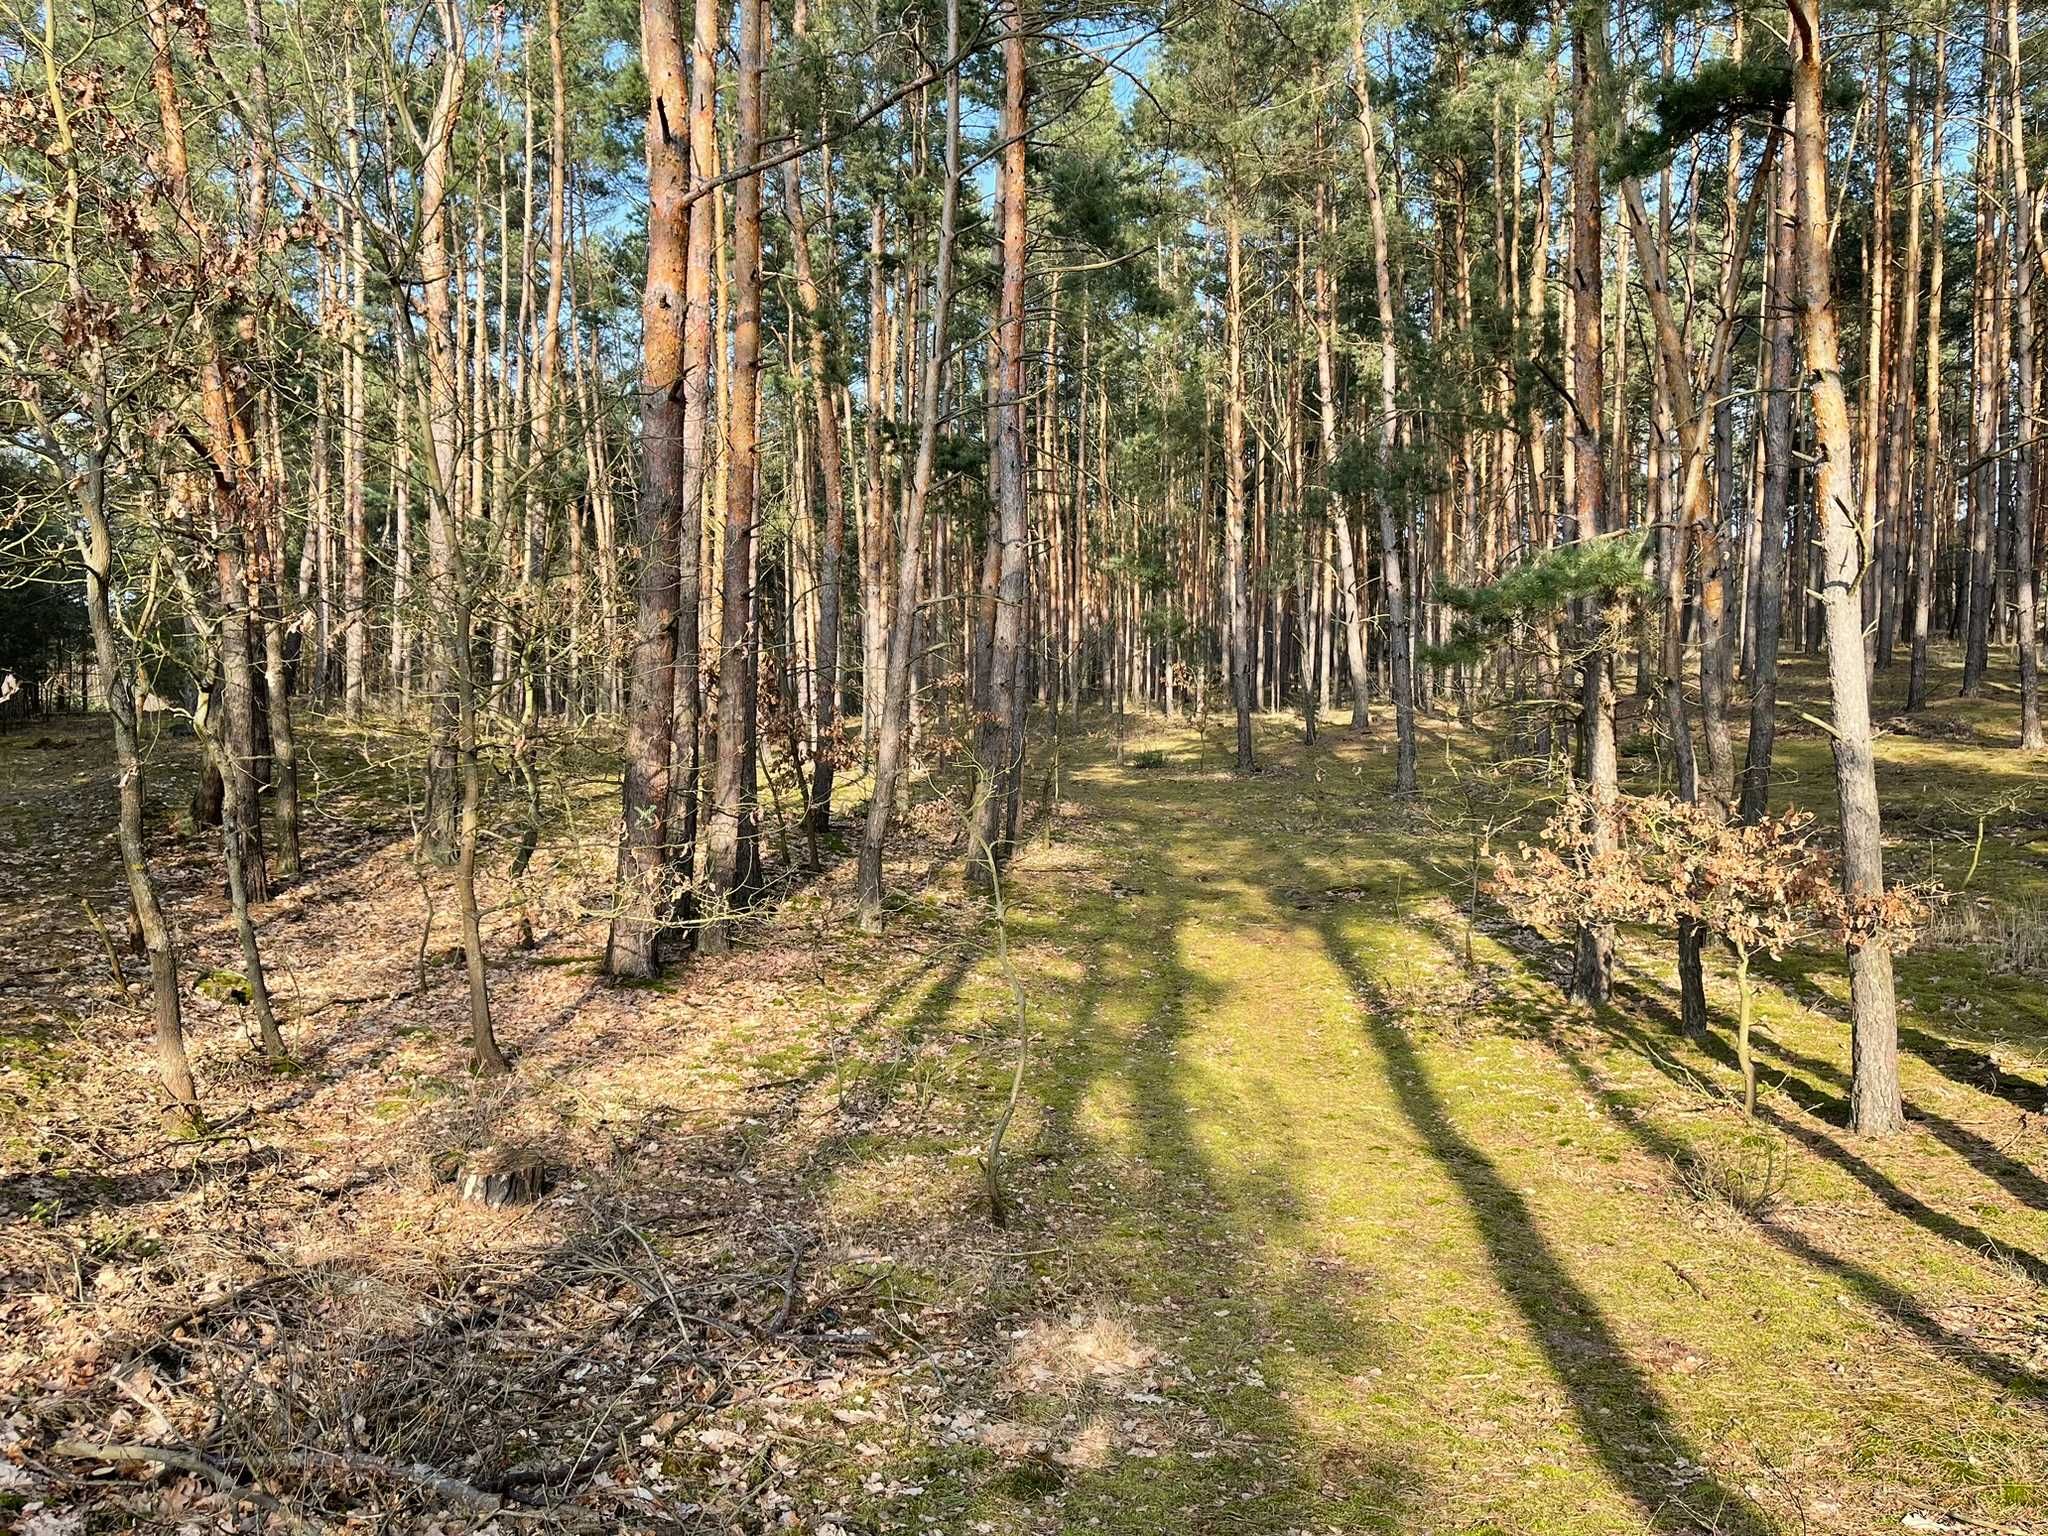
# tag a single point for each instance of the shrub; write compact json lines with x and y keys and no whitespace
{"x":1760,"y":886}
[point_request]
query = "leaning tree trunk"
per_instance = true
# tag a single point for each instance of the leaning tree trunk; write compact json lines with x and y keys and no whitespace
{"x":489,"y":1061}
{"x":1875,"y":1107}
{"x":444,"y":454}
{"x":96,"y":551}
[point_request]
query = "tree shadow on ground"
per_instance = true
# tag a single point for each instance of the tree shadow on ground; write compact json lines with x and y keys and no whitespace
{"x":1622,"y":1418}
{"x":1805,"y":1092}
{"x":1179,"y":1242}
{"x":1675,"y":1151}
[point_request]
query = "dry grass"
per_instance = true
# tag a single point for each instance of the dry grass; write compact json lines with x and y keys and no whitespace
{"x":1318,"y":1226}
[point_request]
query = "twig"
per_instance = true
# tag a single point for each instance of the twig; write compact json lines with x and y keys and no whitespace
{"x":998,"y":1210}
{"x":107,"y":943}
{"x":1688,"y":1279}
{"x":386,"y":998}
{"x":781,"y":1319}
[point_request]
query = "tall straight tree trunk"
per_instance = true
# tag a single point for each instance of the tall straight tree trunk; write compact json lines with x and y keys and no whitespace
{"x":2026,"y":276}
{"x":1393,"y":588}
{"x":1925,"y":521}
{"x":1593,"y":971}
{"x":1780,"y":318}
{"x":1348,"y":583}
{"x":728,"y":843}
{"x":355,"y":588}
{"x":1873,"y":455}
{"x":1896,"y":454}
{"x":874,"y":536}
{"x":1875,"y":1107}
{"x":1000,"y":749}
{"x":269,"y":588}
{"x":1982,"y":475}
{"x":1237,"y":577}
{"x":832,"y":477}
{"x":404,"y":591}
{"x":443,"y":411}
{"x":1549,"y":671}
{"x":546,"y":392}
{"x":699,"y":346}
{"x":632,"y":948}
{"x":215,"y":737}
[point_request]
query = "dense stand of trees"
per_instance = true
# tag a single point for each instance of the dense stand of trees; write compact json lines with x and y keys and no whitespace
{"x":805,"y":396}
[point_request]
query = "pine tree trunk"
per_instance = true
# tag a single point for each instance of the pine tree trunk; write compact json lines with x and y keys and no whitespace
{"x":1780,"y":383}
{"x":633,"y":946}
{"x":1237,"y":574}
{"x":728,"y":845}
{"x":1000,"y":749}
{"x":444,"y":461}
{"x":1875,"y":1107}
{"x":1926,"y":519}
{"x":1393,"y":588}
{"x":1593,"y":971}
{"x":1348,"y":584}
{"x":2026,"y":227}
{"x":831,"y":473}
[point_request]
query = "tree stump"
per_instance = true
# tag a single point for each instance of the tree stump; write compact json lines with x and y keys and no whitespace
{"x":501,"y":1176}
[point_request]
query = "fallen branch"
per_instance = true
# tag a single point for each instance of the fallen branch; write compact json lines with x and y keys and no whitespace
{"x":418,"y":1474}
{"x":224,"y":1478}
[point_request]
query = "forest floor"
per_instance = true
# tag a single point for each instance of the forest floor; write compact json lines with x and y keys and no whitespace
{"x":1326,"y":1211}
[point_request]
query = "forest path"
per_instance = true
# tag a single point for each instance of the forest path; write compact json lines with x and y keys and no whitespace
{"x":1431,"y":1250}
{"x":1318,"y":1222}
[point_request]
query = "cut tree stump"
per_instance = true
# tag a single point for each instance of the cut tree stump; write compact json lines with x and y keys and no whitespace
{"x":501,"y":1176}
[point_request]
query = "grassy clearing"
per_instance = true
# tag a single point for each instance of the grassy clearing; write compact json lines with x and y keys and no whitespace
{"x":1320,"y":1224}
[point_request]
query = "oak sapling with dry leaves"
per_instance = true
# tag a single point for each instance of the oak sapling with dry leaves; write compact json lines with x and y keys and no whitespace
{"x":1654,"y":860}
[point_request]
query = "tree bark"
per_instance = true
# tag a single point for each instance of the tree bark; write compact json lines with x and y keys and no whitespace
{"x":729,"y":852}
{"x":2026,"y":274}
{"x":1237,"y":576}
{"x":632,"y":948}
{"x":1000,"y":750}
{"x":1924,"y":522}
{"x":443,"y":411}
{"x":1875,"y":1107}
{"x":1780,"y":383}
{"x":832,"y":478}
{"x":894,"y":710}
{"x":1393,"y":588}
{"x":1593,"y":970}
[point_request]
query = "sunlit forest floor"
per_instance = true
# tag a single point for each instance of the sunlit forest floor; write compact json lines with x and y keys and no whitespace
{"x":1326,"y":1211}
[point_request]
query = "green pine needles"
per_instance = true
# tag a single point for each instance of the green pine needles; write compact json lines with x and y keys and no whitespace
{"x":1543,"y":583}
